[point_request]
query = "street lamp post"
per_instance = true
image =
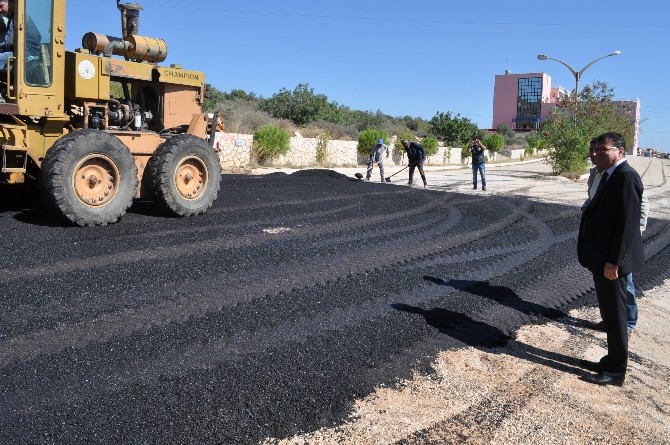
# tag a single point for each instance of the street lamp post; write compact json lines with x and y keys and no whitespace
{"x":577,"y":74}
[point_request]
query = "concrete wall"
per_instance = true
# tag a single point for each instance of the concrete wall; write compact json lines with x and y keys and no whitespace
{"x":235,"y":152}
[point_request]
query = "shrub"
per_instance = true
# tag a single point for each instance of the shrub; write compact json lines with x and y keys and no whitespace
{"x":506,"y":131}
{"x":270,"y":142}
{"x":336,"y":131}
{"x":465,"y":153}
{"x":535,"y":142}
{"x":430,"y":145}
{"x":368,"y":139}
{"x":494,"y":142}
{"x":322,"y":147}
{"x":399,"y":149}
{"x":446,"y":157}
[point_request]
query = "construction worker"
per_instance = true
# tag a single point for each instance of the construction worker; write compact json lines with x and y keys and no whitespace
{"x":377,"y":156}
{"x":416,"y":156}
{"x":32,"y":36}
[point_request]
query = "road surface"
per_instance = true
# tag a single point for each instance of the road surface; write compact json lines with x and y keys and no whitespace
{"x":295,"y":297}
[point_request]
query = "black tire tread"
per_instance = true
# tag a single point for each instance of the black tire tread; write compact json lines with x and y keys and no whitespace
{"x":63,"y":155}
{"x":162,"y":164}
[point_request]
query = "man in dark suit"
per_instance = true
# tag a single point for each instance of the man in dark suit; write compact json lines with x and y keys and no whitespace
{"x":610,"y":246}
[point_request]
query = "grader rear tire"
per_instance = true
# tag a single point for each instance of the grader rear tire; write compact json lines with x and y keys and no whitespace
{"x":89,"y":178}
{"x":185,"y":175}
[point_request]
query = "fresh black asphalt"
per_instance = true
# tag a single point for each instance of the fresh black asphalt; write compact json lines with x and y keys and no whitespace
{"x":270,"y":314}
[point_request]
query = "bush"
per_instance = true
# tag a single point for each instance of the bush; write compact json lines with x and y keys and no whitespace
{"x":336,"y":131}
{"x":465,"y":153}
{"x":506,"y":131}
{"x":535,"y":142}
{"x":398,"y":148}
{"x":270,"y":142}
{"x":494,"y":142}
{"x":571,"y":157}
{"x":368,"y":139}
{"x":322,"y":147}
{"x":430,"y":145}
{"x":242,"y":116}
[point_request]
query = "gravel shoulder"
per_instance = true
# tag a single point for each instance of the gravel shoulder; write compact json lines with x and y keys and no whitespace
{"x":526,"y":392}
{"x":509,"y":396}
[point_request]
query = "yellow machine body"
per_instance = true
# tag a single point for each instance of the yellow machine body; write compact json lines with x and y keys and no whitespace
{"x":52,"y":92}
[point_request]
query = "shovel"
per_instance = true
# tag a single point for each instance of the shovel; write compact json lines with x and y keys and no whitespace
{"x":388,"y":179}
{"x":359,"y":176}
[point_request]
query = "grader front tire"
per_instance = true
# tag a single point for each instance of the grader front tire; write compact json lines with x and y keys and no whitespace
{"x":88,"y":178}
{"x":186,"y":175}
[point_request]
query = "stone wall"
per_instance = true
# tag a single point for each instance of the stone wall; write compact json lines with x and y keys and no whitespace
{"x":514,"y":154}
{"x":235,"y":152}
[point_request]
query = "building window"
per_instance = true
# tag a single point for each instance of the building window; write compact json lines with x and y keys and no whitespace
{"x":528,"y":104}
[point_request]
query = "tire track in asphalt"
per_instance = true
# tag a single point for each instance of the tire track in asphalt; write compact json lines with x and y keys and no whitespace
{"x":245,"y":343}
{"x":219,"y":243}
{"x":227,"y":289}
{"x":125,"y":322}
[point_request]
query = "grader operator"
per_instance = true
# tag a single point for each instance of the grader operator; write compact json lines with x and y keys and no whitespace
{"x":90,"y":150}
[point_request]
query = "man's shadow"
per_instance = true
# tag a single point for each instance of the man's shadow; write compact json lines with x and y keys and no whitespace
{"x":507,"y":297}
{"x":500,"y":294}
{"x":484,"y":336}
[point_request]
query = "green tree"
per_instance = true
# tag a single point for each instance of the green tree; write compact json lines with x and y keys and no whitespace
{"x":572,"y":124}
{"x":212,"y":99}
{"x":405,"y":135}
{"x":430,"y":145}
{"x":511,"y":138}
{"x":505,"y":131}
{"x":236,"y":94}
{"x":535,"y":143}
{"x":116,"y":89}
{"x":494,"y":142}
{"x":453,"y":130}
{"x":270,"y":142}
{"x":368,"y":139}
{"x":301,"y":105}
{"x":367,"y":120}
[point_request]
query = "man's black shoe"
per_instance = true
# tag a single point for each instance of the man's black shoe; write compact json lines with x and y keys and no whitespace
{"x":590,"y":366}
{"x":605,"y":378}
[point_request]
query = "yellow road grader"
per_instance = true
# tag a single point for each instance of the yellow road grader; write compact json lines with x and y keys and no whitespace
{"x":96,"y":127}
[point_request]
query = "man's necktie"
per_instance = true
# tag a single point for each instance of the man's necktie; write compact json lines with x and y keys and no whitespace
{"x":601,"y":186}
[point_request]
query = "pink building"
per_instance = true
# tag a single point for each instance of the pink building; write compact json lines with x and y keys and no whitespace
{"x":522,"y":101}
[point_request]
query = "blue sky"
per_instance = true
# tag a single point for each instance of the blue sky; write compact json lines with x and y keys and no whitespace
{"x":408,"y":57}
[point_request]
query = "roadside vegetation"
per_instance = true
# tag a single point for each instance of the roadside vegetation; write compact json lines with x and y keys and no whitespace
{"x":573,"y":123}
{"x":564,"y":136}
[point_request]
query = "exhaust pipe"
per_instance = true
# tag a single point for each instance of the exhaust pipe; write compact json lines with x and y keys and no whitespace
{"x":130,"y":18}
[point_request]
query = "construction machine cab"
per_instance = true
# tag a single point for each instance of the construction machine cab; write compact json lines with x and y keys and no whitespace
{"x":95,"y":131}
{"x":38,"y":28}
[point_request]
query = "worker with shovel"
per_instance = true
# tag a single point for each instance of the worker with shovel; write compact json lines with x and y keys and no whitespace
{"x":416,"y":156}
{"x":377,"y":157}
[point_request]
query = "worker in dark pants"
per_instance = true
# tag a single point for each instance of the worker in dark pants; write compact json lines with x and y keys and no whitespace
{"x":416,"y":156}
